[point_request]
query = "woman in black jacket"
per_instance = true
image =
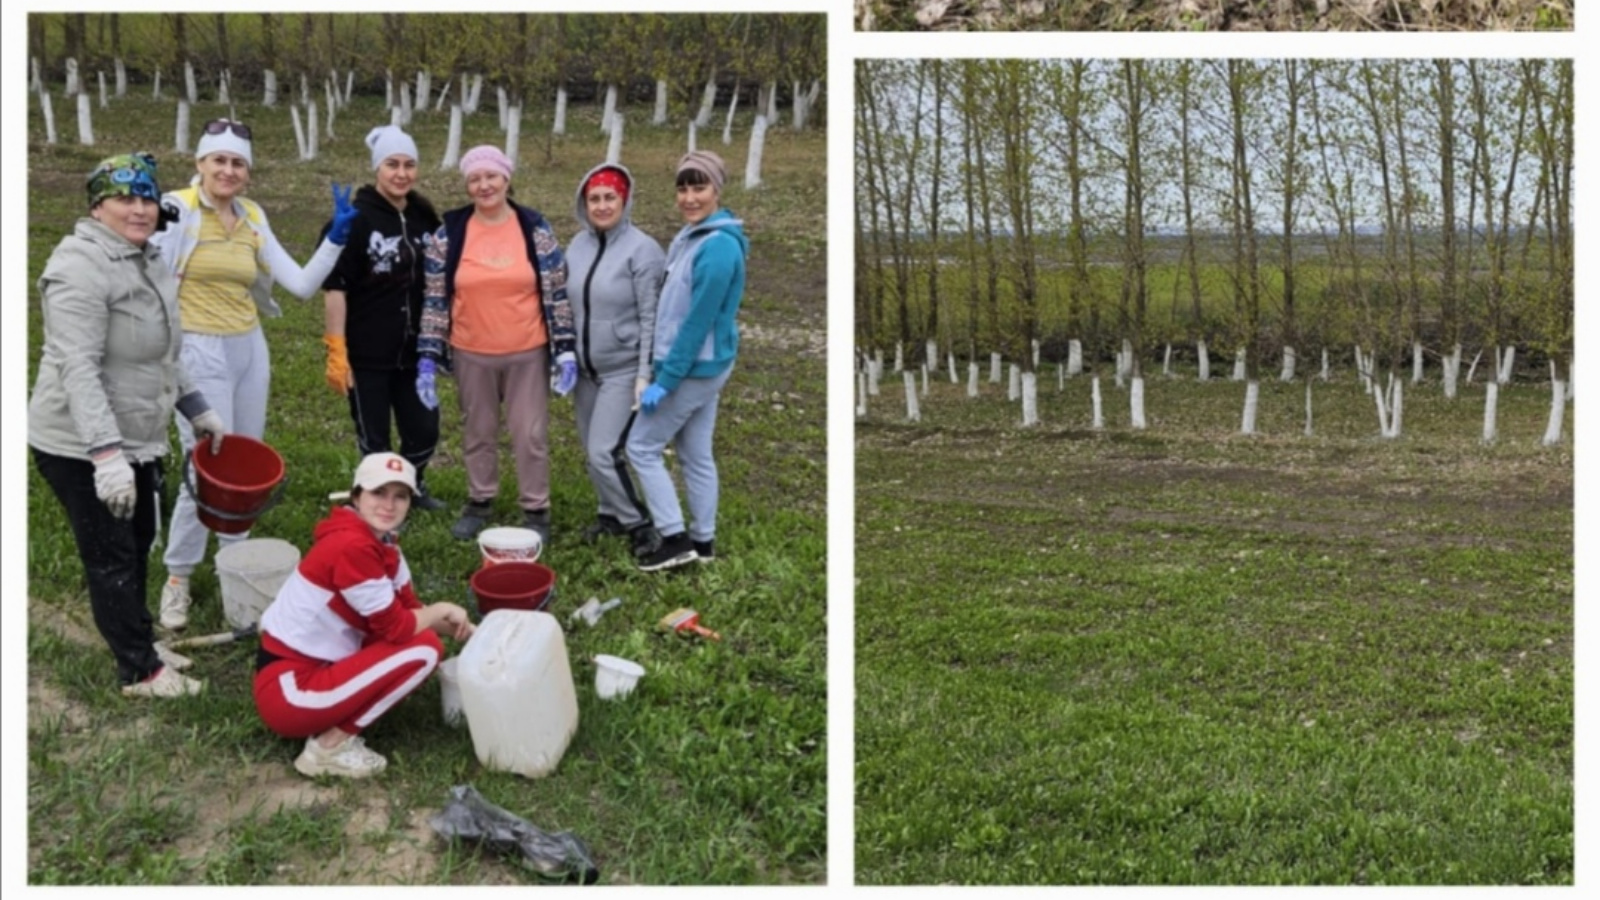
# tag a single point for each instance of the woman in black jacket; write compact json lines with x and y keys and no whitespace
{"x":373,"y":304}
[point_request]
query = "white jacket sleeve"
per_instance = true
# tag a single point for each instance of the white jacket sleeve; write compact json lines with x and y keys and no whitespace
{"x":301,"y":282}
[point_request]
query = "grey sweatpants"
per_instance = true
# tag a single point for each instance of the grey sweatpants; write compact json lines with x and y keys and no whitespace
{"x":605,"y":416}
{"x":688,"y":418}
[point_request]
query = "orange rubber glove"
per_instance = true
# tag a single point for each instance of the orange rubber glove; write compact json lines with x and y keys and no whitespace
{"x":338,"y":370}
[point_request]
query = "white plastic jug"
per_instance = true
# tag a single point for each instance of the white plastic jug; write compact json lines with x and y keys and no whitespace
{"x":517,"y":692}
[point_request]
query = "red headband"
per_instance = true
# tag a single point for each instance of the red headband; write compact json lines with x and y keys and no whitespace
{"x":610,"y":178}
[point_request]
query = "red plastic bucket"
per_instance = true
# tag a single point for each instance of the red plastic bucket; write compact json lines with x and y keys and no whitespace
{"x":513,"y":585}
{"x":235,"y":486}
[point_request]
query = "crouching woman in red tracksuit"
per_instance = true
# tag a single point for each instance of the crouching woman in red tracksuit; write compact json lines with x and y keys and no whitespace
{"x":346,"y":637}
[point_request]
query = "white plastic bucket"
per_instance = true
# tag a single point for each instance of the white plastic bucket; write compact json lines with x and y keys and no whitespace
{"x":615,"y":676}
{"x":251,"y":573}
{"x":450,"y":692}
{"x":517,"y":693}
{"x":507,"y":544}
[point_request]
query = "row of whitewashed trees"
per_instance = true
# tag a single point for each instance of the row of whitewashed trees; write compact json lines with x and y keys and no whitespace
{"x":1393,"y":211}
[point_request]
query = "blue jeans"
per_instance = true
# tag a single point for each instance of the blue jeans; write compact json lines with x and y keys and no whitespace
{"x":687,"y":417}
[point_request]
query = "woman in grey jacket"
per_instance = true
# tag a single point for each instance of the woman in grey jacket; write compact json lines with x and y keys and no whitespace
{"x":615,"y":276}
{"x":108,"y":380}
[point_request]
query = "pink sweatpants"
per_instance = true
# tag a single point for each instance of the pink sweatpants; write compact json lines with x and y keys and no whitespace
{"x":299,"y":699}
{"x":521,"y":381}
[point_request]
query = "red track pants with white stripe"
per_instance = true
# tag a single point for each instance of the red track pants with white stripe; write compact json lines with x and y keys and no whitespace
{"x":302,"y":698}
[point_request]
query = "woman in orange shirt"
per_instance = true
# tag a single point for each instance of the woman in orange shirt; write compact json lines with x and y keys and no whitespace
{"x":496,"y":308}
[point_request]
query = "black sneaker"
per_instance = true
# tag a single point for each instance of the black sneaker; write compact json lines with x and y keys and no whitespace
{"x":474,"y":516}
{"x":644,"y":539}
{"x":674,"y":550}
{"x":538,"y":520}
{"x":604,"y":526}
{"x":704,"y":551}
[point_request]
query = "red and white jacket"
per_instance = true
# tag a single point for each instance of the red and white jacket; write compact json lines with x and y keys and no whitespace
{"x":350,"y":590}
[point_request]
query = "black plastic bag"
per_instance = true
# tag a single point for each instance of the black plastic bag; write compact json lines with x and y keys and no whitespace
{"x":468,"y":815}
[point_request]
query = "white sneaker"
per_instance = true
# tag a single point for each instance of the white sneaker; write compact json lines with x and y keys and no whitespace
{"x":351,"y":759}
{"x":175,"y":603}
{"x":172,"y":659}
{"x":165,"y":683}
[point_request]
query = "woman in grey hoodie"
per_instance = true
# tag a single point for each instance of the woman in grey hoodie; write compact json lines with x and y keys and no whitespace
{"x":615,"y":276}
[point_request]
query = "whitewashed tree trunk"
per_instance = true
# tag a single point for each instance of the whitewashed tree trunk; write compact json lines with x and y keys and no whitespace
{"x":727,"y":127}
{"x":180,"y":138}
{"x":931,"y":347}
{"x":349,"y":86}
{"x":120,"y":71}
{"x":610,"y":109}
{"x":899,"y":356}
{"x":1507,"y":363}
{"x":269,"y":90}
{"x":1558,"y":408}
{"x":560,"y":125}
{"x":1166,"y":362}
{"x":223,"y":93}
{"x":396,"y":117}
{"x":797,"y":109}
{"x":1474,"y":367}
{"x":758,"y":143}
{"x":388,"y":88}
{"x":1036,"y":356}
{"x":73,"y":87}
{"x":1061,"y":378}
{"x":35,"y":83}
{"x":1136,"y":402}
{"x":1452,"y":372}
{"x":1030,"y":400}
{"x":1416,"y":362}
{"x":614,"y":149}
{"x":1074,"y":357}
{"x":1238,"y":364}
{"x":950,"y":358}
{"x":861,"y":394}
{"x":405,"y":103}
{"x":913,"y":413}
{"x":1363,"y":370}
{"x":305,"y":91}
{"x":692,"y":129}
{"x":190,"y":89}
{"x":155,"y":86}
{"x":1098,"y":418}
{"x":101,"y":78}
{"x":85,"y":120}
{"x":994,"y":368}
{"x":1252,"y":400}
{"x":1308,"y":407}
{"x":924,"y":379}
{"x":299,"y":132}
{"x":1014,"y":383}
{"x":476,"y":93}
{"x":311,"y":131}
{"x":1288,"y":365}
{"x":1205,"y":360}
{"x":444,"y":94}
{"x":874,"y":372}
{"x":1491,"y":402}
{"x":330,"y":102}
{"x":500,"y":106}
{"x":513,"y":131}
{"x":452,"y":148}
{"x":708,"y":100}
{"x":1124,"y":360}
{"x":49,"y":117}
{"x":660,"y":117}
{"x":1397,"y":407}
{"x":972,"y":379}
{"x":1325,"y":374}
{"x":1379,"y":399}
{"x":424,"y":90}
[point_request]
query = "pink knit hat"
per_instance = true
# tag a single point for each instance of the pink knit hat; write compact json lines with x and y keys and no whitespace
{"x":486,"y":156}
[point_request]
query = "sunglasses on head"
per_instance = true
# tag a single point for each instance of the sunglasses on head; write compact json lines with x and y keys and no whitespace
{"x":218,"y":126}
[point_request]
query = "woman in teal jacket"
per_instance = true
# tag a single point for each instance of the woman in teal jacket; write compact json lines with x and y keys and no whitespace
{"x":696,"y":342}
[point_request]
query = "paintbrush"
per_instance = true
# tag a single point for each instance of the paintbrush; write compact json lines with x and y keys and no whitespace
{"x":683,"y":620}
{"x":225,"y":637}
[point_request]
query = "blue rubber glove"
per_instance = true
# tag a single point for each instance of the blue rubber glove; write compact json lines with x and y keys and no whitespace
{"x":343,"y":215}
{"x":566,"y":377}
{"x":427,"y":390}
{"x":652,"y":397}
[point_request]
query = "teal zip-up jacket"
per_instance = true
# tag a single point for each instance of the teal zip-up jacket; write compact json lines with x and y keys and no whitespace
{"x":697,"y":327}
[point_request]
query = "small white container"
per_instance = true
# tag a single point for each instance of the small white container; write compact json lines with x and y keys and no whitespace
{"x":615,"y":676}
{"x":251,"y":572}
{"x":450,"y":692}
{"x":517,"y":693}
{"x":509,"y":544}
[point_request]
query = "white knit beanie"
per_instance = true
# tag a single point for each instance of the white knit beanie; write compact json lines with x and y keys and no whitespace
{"x":387,"y":141}
{"x":226,"y":142}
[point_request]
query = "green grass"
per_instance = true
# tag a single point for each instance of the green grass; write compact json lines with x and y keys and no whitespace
{"x":712,"y":772}
{"x":1186,"y":656}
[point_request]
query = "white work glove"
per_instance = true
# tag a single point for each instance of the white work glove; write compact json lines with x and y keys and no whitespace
{"x":114,"y":485}
{"x":209,"y":424}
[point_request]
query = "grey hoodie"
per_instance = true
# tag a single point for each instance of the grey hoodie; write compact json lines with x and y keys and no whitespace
{"x":110,"y":373}
{"x":614,"y":278}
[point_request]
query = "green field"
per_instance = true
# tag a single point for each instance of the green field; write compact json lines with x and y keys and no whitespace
{"x":1185,"y":656}
{"x":714,"y":771}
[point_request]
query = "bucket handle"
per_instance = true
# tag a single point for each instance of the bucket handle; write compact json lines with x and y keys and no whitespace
{"x":273,"y":500}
